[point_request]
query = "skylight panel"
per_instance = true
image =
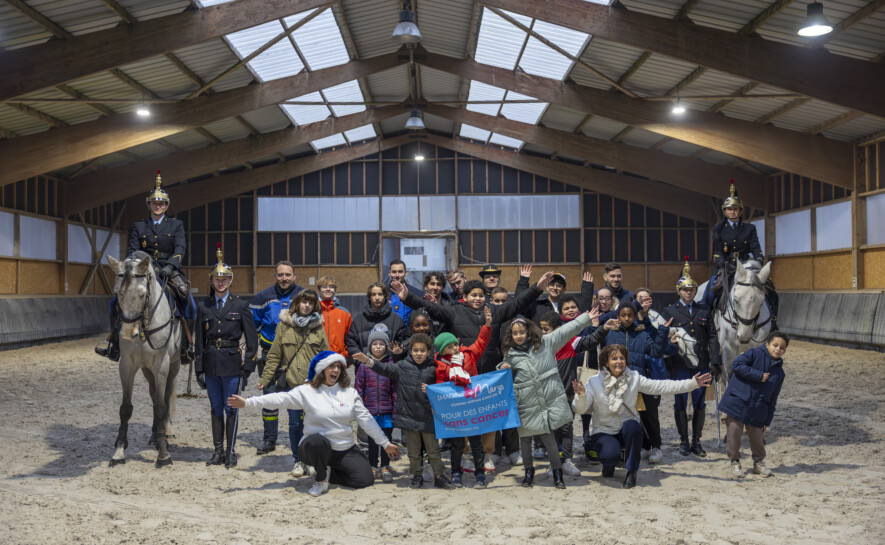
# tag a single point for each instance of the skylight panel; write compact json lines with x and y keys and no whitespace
{"x":207,"y":3}
{"x":524,"y":113}
{"x":346,"y":92}
{"x":474,"y":133}
{"x":481,"y":91}
{"x":277,"y":62}
{"x":502,"y":140}
{"x":499,"y":42}
{"x":320,"y":40}
{"x":360,"y":133}
{"x":329,"y":142}
{"x":540,"y":60}
{"x":303,"y":114}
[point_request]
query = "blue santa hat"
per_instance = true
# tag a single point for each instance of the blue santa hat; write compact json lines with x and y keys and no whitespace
{"x":322,"y":360}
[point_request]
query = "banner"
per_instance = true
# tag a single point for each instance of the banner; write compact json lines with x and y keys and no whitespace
{"x":487,"y":405}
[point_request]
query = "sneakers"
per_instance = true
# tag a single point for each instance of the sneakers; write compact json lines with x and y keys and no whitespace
{"x":480,"y":481}
{"x":309,"y":471}
{"x":539,"y":454}
{"x":376,"y":473}
{"x":569,"y":468}
{"x":386,"y":474}
{"x":456,"y":480}
{"x":515,"y":458}
{"x":645,"y":454}
{"x":737,"y":472}
{"x":467,"y":465}
{"x":591,"y":457}
{"x":656,"y":456}
{"x":488,"y":465}
{"x":300,"y":470}
{"x":417,"y":481}
{"x":318,"y":488}
{"x":428,"y":473}
{"x":443,"y":482}
{"x":759,"y":468}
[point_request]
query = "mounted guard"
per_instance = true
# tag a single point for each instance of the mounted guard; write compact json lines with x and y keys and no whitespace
{"x":163,"y":239}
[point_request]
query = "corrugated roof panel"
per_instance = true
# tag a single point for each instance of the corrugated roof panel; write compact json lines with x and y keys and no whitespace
{"x":481,"y":91}
{"x":346,"y":92}
{"x":111,"y":161}
{"x":69,"y":112}
{"x":727,"y":15}
{"x":437,"y":85}
{"x":77,"y":16}
{"x":753,"y":109}
{"x":540,"y":60}
{"x":320,"y":40}
{"x":679,"y":147}
{"x":187,"y":140}
{"x":104,"y":85}
{"x":160,"y":76}
{"x":610,"y":58}
{"x":329,"y":142}
{"x":525,"y":113}
{"x":641,"y":138}
{"x":562,"y":118}
{"x":498,"y":42}
{"x":858,"y":129}
{"x":211,"y":58}
{"x":304,"y":114}
{"x":396,"y":124}
{"x":538,"y":149}
{"x":279,"y":61}
{"x":658,"y":8}
{"x":207,"y":3}
{"x":474,"y":133}
{"x":434,"y":123}
{"x":303,"y":149}
{"x":268,"y":119}
{"x":148,"y":150}
{"x":227,"y":129}
{"x":17,"y":30}
{"x":151,"y":9}
{"x":502,"y":140}
{"x":808,"y":115}
{"x":865,"y":40}
{"x":371,"y":24}
{"x":360,"y":133}
{"x":712,"y":82}
{"x":18,"y":122}
{"x":717,"y":157}
{"x":783,"y":27}
{"x":604,"y":128}
{"x":659,"y":74}
{"x":392,"y":84}
{"x":445,"y":26}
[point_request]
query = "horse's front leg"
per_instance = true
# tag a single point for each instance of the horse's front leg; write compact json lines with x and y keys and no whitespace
{"x":161,"y":417}
{"x":174,"y":367}
{"x":152,"y":388}
{"x":127,"y":379}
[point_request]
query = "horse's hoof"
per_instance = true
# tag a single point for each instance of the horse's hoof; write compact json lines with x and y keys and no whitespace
{"x":116,"y":462}
{"x":163,"y":463}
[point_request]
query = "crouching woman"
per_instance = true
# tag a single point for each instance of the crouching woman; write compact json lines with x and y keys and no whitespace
{"x":610,"y":397}
{"x":330,"y":404}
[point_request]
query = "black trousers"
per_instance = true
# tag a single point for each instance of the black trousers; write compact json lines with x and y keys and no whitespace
{"x":565,"y":437}
{"x":475,"y":451}
{"x":350,"y":467}
{"x":650,"y":422}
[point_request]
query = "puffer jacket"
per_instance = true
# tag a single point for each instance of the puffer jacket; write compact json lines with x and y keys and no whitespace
{"x":336,"y":321}
{"x":413,"y":410}
{"x":471,"y":353}
{"x":540,"y":396}
{"x":266,"y":307}
{"x":638,"y":340}
{"x":377,"y":391}
{"x":465,"y":322}
{"x":299,"y":344}
{"x":595,"y":400}
{"x":747,"y":399}
{"x":368,"y":318}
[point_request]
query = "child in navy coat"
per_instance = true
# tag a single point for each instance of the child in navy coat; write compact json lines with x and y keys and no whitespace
{"x":750,"y":399}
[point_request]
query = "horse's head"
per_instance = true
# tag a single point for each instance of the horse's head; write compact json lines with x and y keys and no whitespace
{"x":747,"y":295}
{"x":132,"y":288}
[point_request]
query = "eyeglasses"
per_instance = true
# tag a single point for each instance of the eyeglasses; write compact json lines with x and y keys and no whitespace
{"x":603,"y":298}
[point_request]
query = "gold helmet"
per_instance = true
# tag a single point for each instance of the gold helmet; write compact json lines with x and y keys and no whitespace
{"x":733,"y":200}
{"x":221,"y":268}
{"x":686,"y":281}
{"x":158,"y":195}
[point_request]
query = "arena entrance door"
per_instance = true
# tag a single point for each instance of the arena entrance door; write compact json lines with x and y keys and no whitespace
{"x":421,"y":254}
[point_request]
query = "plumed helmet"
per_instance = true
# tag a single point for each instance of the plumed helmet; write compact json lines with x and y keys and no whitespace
{"x":732,"y":200}
{"x":221,"y":268}
{"x":158,"y":194}
{"x":686,"y":281}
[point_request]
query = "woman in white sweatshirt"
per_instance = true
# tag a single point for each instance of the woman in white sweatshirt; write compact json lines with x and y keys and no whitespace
{"x":330,"y":404}
{"x":610,"y":397}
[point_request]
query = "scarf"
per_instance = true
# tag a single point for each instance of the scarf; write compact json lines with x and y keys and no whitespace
{"x":615,"y":388}
{"x":302,"y":321}
{"x":281,"y":293}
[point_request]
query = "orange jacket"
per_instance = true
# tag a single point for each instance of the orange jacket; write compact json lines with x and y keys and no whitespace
{"x":471,"y":353}
{"x":337,"y":322}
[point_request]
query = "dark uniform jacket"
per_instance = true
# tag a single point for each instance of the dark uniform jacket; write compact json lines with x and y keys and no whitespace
{"x":730,"y":241}
{"x":699,"y":324}
{"x":165,"y":243}
{"x":217,"y":339}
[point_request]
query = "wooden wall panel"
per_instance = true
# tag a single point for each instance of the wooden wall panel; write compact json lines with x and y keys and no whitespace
{"x":874,"y":268}
{"x":8,"y":272}
{"x":76,"y":274}
{"x":832,"y":271}
{"x":39,"y":277}
{"x":199,"y":278}
{"x":792,"y":273}
{"x":350,"y":279}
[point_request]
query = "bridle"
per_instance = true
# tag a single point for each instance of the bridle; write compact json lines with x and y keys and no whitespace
{"x":731,"y":310}
{"x":145,"y":316}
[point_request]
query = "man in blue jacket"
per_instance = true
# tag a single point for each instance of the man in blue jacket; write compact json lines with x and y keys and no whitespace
{"x":397,"y":273}
{"x":266,"y":306}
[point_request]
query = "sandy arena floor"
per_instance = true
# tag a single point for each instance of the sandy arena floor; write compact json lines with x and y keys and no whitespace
{"x":60,"y":404}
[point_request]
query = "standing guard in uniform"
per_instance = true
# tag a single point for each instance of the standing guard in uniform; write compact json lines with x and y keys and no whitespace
{"x":733,"y":241}
{"x":697,"y":320}
{"x":163,"y":239}
{"x":222,"y":319}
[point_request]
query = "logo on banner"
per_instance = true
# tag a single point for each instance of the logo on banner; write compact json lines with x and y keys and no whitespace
{"x":487,"y":405}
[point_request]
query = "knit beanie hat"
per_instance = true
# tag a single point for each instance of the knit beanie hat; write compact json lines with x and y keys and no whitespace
{"x":322,"y":360}
{"x":379,"y":333}
{"x":443,"y":340}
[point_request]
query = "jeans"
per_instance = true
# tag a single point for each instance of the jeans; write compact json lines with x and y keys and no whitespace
{"x":296,"y":428}
{"x":698,"y":395}
{"x":608,"y":447}
{"x":219,"y":389}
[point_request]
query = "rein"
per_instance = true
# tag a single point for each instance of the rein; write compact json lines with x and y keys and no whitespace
{"x":145,"y":316}
{"x":731,"y":310}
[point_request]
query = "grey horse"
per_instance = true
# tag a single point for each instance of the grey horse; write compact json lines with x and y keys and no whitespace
{"x":150,"y":340}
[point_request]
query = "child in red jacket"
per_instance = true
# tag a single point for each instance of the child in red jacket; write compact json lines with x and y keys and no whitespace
{"x":456,"y":363}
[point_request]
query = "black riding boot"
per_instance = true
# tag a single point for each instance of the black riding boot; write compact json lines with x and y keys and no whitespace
{"x":217,"y":441}
{"x":697,"y":429}
{"x":229,"y":431}
{"x":681,"y":418}
{"x":112,"y":348}
{"x":529,"y":479}
{"x":187,"y":349}
{"x":772,"y":308}
{"x":557,"y":478}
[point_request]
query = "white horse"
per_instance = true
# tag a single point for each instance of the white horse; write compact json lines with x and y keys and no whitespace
{"x":743,"y":319}
{"x":150,"y":340}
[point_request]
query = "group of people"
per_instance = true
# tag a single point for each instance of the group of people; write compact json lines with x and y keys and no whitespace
{"x":328,"y":366}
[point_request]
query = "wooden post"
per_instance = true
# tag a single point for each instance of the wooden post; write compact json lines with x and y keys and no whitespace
{"x":858,"y":218}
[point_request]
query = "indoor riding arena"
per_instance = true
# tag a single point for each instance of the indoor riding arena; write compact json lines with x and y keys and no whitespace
{"x":215,"y":195}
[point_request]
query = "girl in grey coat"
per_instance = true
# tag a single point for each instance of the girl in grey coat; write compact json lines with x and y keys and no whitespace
{"x":540,"y":397}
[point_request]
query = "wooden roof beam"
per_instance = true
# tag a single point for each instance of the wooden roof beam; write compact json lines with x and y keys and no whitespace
{"x":44,"y":152}
{"x":113,"y":184}
{"x":59,"y":61}
{"x":815,"y":73}
{"x":813,"y":156}
{"x":40,"y":19}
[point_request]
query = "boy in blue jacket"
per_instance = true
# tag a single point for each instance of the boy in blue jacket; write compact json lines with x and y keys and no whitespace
{"x":750,"y":399}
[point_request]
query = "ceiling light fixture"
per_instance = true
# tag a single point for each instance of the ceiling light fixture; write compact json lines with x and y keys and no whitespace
{"x":419,"y":157}
{"x":678,"y":107}
{"x":815,"y":24}
{"x":406,"y":31}
{"x":415,"y":122}
{"x":143,"y":110}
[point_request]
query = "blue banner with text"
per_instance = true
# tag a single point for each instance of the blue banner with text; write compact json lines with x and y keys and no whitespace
{"x":487,"y":404}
